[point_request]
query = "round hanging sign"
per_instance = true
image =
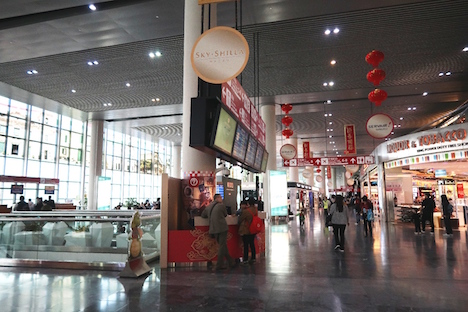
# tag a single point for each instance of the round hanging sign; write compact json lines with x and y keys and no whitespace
{"x":307,"y":173}
{"x":220,"y":54}
{"x":379,"y":126}
{"x":350,"y":182}
{"x":352,"y":168}
{"x":318,"y":179}
{"x":288,"y":151}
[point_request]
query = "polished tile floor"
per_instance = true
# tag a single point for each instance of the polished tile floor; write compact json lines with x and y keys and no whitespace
{"x":393,"y":271}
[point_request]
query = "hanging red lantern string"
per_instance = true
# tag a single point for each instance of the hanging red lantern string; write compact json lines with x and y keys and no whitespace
{"x":374,"y":58}
{"x":377,"y":96}
{"x":286,"y":120}
{"x":318,"y":170}
{"x":375,"y":76}
{"x":286,"y":108}
{"x":287,"y":132}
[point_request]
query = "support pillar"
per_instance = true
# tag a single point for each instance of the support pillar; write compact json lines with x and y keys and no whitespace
{"x":176,"y":156}
{"x":267,"y":112}
{"x":95,"y":162}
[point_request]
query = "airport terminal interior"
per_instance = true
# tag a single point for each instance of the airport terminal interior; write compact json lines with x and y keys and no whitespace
{"x":118,"y":140}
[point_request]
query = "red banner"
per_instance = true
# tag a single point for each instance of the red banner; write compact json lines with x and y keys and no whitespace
{"x":460,"y":190}
{"x":329,"y":161}
{"x":306,"y":148}
{"x":28,"y":180}
{"x":350,"y":139}
{"x":239,"y":103}
{"x":328,"y":172}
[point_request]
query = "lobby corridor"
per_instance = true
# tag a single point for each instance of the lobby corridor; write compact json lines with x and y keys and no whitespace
{"x":395,"y":270}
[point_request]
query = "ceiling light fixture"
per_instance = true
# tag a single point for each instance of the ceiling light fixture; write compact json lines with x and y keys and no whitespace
{"x":414,"y":108}
{"x":331,"y":83}
{"x":73,"y":91}
{"x":327,"y":32}
{"x":336,"y":30}
{"x":330,"y":123}
{"x":329,"y":101}
{"x":401,"y":118}
{"x":92,"y":7}
{"x":128,"y":84}
{"x":441,"y":74}
{"x":32,"y":72}
{"x":425,"y":93}
{"x":91,"y":63}
{"x":325,"y":84}
{"x":465,"y":49}
{"x":158,"y":54}
{"x":409,"y":108}
{"x":448,"y":73}
{"x":333,"y":62}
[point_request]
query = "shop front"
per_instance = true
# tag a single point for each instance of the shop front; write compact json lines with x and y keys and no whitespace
{"x":430,"y":162}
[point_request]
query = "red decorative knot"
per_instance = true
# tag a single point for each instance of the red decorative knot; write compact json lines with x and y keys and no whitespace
{"x":286,"y":108}
{"x":374,"y":58}
{"x":375,"y":76}
{"x":318,"y":170}
{"x":286,"y":120}
{"x":377,"y":96}
{"x":287,"y":132}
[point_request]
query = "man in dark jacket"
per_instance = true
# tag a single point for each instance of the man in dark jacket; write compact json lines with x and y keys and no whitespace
{"x":216,"y":213}
{"x":428,"y":206}
{"x":21,"y":205}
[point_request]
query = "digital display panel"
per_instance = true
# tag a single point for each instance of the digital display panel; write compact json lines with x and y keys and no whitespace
{"x":251,"y":151}
{"x":240,"y":143}
{"x":258,"y":157}
{"x":225,"y":131}
{"x":264,"y":161}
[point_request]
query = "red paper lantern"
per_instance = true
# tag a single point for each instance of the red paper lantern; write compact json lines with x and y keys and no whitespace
{"x":377,"y":96}
{"x":375,"y":76}
{"x":374,"y":58}
{"x":318,"y":170}
{"x":287,"y":132}
{"x":286,"y":120}
{"x":286,"y":108}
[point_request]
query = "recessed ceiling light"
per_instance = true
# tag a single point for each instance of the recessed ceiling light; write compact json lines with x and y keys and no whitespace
{"x":333,"y":62}
{"x":330,"y":123}
{"x":401,"y":118}
{"x":409,"y":108}
{"x":414,"y":108}
{"x":327,"y":32}
{"x":95,"y":62}
{"x":465,"y":49}
{"x":153,"y":100}
{"x":158,"y":99}
{"x":337,"y":152}
{"x":425,"y":93}
{"x":73,"y":91}
{"x":158,"y":54}
{"x":448,"y":73}
{"x":399,"y":126}
{"x":91,"y":63}
{"x":128,"y":84}
{"x":330,"y":115}
{"x":336,"y":30}
{"x":105,"y":104}
{"x":325,"y":84}
{"x":34,"y":71}
{"x":393,"y":132}
{"x":325,"y":115}
{"x":329,"y":101}
{"x":151,"y":54}
{"x":330,"y":136}
{"x":92,"y":7}
{"x":331,"y":83}
{"x":441,"y":74}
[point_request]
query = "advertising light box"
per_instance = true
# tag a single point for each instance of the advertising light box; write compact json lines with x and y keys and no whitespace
{"x":278,"y":193}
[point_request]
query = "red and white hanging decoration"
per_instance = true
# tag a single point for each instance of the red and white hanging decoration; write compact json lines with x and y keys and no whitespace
{"x":376,"y":76}
{"x":287,"y":120}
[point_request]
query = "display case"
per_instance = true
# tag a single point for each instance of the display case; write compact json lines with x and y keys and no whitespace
{"x":87,"y":237}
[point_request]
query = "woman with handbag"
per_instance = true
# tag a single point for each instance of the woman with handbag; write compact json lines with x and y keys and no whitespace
{"x":339,"y":219}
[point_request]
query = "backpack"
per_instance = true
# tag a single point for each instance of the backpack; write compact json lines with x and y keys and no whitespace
{"x":256,"y":226}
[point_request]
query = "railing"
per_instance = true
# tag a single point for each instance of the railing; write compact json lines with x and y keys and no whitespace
{"x":89,"y":238}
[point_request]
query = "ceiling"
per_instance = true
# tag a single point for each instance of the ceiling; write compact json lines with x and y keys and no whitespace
{"x":289,"y":62}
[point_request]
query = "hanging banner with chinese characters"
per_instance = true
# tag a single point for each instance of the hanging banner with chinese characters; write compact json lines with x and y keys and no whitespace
{"x":350,"y":139}
{"x":460,"y":191}
{"x":306,"y":150}
{"x":329,"y":172}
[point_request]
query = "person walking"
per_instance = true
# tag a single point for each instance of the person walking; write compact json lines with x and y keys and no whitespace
{"x":367,"y":215}
{"x":216,"y":213}
{"x":428,"y":206}
{"x":340,"y":219}
{"x":447,"y":210}
{"x":245,"y":219}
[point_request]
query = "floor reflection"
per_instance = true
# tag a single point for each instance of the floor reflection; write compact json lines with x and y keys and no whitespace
{"x":394,"y":270}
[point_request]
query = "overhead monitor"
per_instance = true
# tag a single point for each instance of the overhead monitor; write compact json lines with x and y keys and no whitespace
{"x":225,"y":130}
{"x":240,"y":143}
{"x":264,"y":161}
{"x":251,"y":151}
{"x":258,"y":157}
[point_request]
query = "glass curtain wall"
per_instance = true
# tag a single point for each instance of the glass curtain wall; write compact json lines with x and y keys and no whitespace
{"x":41,"y":144}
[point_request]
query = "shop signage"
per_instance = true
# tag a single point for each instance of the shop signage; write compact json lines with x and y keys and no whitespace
{"x":288,"y":151}
{"x":220,"y":54}
{"x":350,"y":139}
{"x":238,"y":102}
{"x":306,"y":150}
{"x":329,"y":161}
{"x":460,"y":190}
{"x":393,"y":186}
{"x":379,"y":126}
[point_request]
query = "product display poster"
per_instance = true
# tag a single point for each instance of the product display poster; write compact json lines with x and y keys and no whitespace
{"x":240,"y":143}
{"x":225,"y":131}
{"x":278,"y":193}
